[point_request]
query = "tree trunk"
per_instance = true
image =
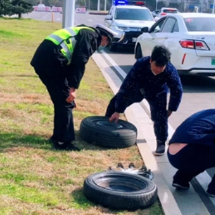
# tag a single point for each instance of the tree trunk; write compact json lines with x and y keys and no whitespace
{"x":19,"y":15}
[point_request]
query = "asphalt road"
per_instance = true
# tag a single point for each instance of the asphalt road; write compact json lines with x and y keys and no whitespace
{"x":198,"y":90}
{"x":58,"y":17}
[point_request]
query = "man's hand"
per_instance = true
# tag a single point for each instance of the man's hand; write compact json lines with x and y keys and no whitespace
{"x":169,"y":112}
{"x":114,"y":117}
{"x":72,"y":95}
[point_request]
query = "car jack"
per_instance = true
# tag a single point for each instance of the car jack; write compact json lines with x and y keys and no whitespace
{"x":143,"y":171}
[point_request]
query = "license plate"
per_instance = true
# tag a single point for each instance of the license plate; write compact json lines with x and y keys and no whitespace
{"x":135,"y":39}
{"x":213,"y":61}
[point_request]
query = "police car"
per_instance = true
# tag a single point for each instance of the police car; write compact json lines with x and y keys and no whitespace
{"x":165,"y":11}
{"x":127,"y":18}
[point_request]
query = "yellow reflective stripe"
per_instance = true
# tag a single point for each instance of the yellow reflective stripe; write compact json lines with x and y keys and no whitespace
{"x":66,"y":49}
{"x":65,"y":33}
{"x":73,"y":42}
{"x":57,"y":38}
{"x":73,"y":33}
{"x":63,"y":44}
{"x":61,"y":36}
{"x":82,"y":27}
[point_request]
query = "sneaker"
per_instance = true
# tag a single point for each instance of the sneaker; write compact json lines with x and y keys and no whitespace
{"x":65,"y":146}
{"x":160,"y":150}
{"x":210,"y":194}
{"x":211,"y":191}
{"x":180,"y":185}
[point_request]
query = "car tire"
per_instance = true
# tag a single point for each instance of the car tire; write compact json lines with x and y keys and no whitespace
{"x":112,"y":47}
{"x":98,"y":130}
{"x":120,"y":190}
{"x":138,"y":53}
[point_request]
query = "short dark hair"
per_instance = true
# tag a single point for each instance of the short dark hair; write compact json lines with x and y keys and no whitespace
{"x":161,"y":55}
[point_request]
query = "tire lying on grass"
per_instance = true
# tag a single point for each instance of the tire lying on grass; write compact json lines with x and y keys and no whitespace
{"x":98,"y":130}
{"x":120,"y":190}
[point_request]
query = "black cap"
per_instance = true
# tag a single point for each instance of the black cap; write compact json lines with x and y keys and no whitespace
{"x":102,"y":32}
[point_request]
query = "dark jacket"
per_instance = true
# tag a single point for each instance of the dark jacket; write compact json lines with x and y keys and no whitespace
{"x":198,"y":129}
{"x":141,"y":83}
{"x":49,"y":57}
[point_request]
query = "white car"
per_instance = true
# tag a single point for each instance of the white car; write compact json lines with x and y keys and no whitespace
{"x":155,"y":13}
{"x":190,"y":37}
{"x":165,"y":11}
{"x":127,"y":20}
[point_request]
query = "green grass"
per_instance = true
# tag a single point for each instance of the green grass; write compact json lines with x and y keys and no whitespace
{"x":34,"y":178}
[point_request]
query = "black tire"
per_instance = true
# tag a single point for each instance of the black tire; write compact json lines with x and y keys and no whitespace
{"x":119,"y":190}
{"x":112,"y":47}
{"x":98,"y":130}
{"x":138,"y":53}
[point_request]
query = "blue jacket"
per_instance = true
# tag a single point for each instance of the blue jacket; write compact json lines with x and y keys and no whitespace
{"x":199,"y":128}
{"x":141,"y":83}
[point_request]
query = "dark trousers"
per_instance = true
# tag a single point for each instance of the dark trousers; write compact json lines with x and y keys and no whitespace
{"x":57,"y":86}
{"x":191,"y":161}
{"x":158,"y":115}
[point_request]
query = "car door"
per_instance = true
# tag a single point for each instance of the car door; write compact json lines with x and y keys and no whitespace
{"x":154,"y":37}
{"x":171,"y":34}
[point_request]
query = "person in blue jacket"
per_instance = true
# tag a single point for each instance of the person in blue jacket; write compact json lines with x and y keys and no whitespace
{"x":192,"y":149}
{"x":150,"y":78}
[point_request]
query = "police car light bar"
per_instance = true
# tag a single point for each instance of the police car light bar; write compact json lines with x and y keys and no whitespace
{"x":127,"y":2}
{"x":140,"y":3}
{"x":119,"y":2}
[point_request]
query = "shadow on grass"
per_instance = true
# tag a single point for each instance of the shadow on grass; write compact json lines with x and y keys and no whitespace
{"x":79,"y":197}
{"x":93,"y":146}
{"x":81,"y":200}
{"x":9,"y":140}
{"x":20,"y":76}
{"x":14,"y":18}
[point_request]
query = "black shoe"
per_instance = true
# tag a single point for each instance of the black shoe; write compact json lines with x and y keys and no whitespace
{"x":51,"y":140}
{"x":160,"y":150}
{"x":181,"y":185}
{"x":71,"y":147}
{"x":65,"y":146}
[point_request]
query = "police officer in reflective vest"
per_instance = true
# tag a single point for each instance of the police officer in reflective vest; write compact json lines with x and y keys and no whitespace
{"x":59,"y":61}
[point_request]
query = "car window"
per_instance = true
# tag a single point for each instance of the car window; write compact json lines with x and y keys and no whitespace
{"x":158,"y":26}
{"x":169,"y":25}
{"x":133,"y":14}
{"x":110,"y":11}
{"x":200,"y":24}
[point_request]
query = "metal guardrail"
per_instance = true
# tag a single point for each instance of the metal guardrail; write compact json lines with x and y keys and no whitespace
{"x":47,"y":9}
{"x":58,"y":9}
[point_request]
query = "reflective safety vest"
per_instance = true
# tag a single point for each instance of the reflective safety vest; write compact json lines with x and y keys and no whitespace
{"x":65,"y":38}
